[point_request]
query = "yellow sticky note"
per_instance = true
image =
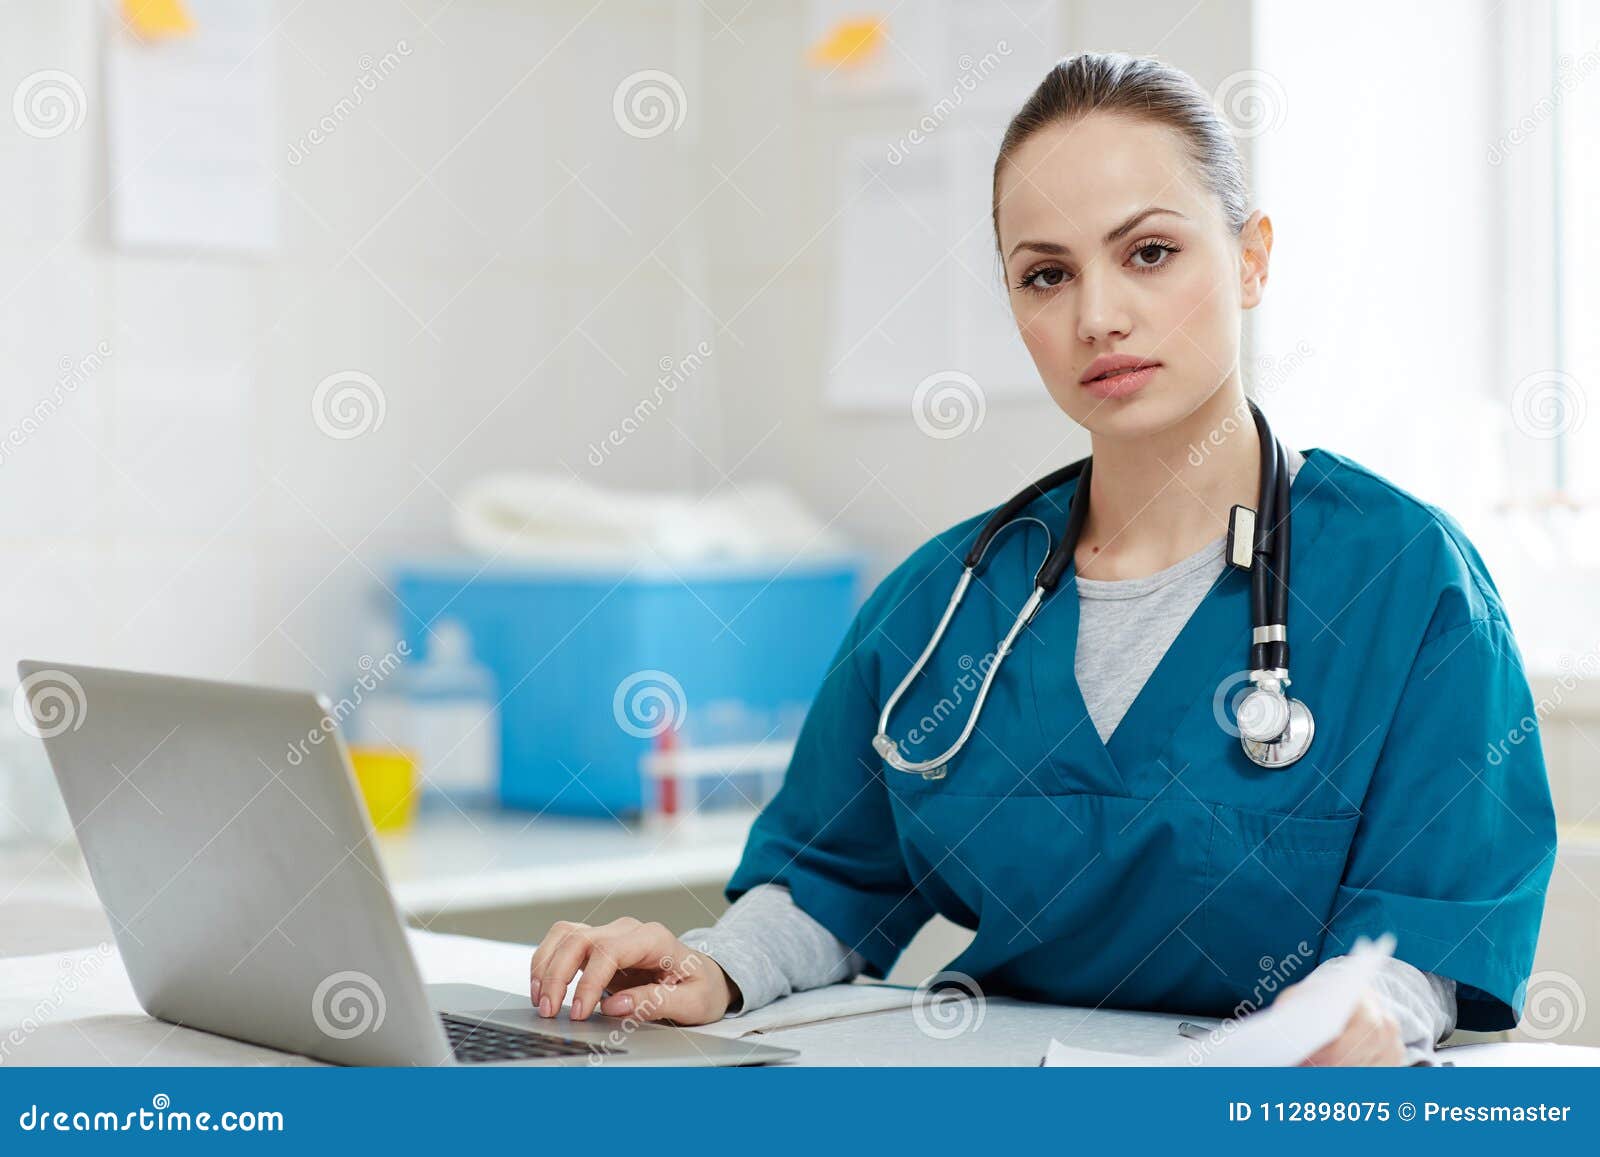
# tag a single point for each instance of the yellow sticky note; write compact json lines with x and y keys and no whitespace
{"x":849,"y":43}
{"x":157,"y":19}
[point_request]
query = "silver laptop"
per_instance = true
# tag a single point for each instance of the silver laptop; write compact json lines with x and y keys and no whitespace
{"x":227,"y":842}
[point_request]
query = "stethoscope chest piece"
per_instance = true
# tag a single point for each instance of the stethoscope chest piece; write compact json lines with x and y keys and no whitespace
{"x":1274,"y":729}
{"x":1260,"y":714}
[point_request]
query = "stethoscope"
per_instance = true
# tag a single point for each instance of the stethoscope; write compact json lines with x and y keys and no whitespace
{"x":1274,"y":730}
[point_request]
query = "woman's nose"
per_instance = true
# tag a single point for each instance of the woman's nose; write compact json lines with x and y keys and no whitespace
{"x":1101,"y":314}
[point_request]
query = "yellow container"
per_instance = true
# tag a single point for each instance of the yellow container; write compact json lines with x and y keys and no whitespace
{"x":387,"y":777}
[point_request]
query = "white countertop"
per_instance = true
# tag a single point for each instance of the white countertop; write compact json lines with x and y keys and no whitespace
{"x":446,"y":862}
{"x":451,"y":862}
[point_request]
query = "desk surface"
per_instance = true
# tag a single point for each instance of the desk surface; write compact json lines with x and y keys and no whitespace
{"x":78,"y":1008}
{"x":83,"y":1011}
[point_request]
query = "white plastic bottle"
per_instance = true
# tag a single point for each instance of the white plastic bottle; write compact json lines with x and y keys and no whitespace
{"x":454,"y":721}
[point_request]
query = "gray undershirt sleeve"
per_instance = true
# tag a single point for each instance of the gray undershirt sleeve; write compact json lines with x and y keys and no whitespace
{"x":770,"y":947}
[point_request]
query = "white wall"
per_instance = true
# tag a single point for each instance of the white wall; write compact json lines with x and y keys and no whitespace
{"x":182,"y":510}
{"x":482,"y":239}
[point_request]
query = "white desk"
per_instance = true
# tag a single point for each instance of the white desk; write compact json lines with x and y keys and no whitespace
{"x":78,"y":1009}
{"x":85,"y":1013}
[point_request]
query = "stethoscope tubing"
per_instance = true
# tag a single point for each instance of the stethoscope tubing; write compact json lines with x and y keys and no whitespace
{"x":1269,"y":598}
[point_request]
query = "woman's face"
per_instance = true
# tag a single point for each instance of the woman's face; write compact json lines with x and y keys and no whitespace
{"x":1114,"y":245}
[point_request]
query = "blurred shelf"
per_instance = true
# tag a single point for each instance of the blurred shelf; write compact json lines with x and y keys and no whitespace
{"x":1579,"y":839}
{"x":444,"y":863}
{"x":449,"y":861}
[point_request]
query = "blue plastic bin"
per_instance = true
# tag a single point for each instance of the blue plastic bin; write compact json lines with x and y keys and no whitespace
{"x":585,"y":659}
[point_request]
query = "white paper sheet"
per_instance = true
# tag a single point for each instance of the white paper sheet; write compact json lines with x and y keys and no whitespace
{"x":890,"y":324}
{"x":819,"y":1004}
{"x":1284,"y":1033}
{"x":1521,"y":1055}
{"x":190,"y":132}
{"x":919,"y":290}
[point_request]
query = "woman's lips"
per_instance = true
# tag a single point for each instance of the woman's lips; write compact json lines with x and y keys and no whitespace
{"x":1120,"y":385}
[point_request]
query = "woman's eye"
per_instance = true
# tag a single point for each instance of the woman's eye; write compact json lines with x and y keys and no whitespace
{"x":1043,"y":279}
{"x":1152,"y":254}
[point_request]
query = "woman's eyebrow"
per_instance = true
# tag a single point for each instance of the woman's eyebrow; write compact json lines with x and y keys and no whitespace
{"x":1055,"y":249}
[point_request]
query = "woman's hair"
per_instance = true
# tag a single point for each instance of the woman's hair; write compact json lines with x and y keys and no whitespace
{"x":1135,"y":86}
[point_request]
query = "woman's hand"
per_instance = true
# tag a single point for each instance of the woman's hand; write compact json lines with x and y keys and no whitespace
{"x":1370,"y":1037}
{"x":649,"y":972}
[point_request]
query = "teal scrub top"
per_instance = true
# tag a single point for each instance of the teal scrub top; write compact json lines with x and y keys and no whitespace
{"x":1162,"y":869}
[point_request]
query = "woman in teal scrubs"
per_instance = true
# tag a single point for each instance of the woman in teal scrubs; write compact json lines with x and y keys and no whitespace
{"x":1159,"y":868}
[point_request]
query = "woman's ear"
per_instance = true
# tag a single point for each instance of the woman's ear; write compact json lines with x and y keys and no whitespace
{"x":1255,"y":242}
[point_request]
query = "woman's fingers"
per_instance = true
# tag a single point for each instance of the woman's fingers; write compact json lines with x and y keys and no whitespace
{"x":648,"y":947}
{"x":569,"y":948}
{"x":541,"y":955}
{"x":1370,"y":1037}
{"x":652,"y":974}
{"x":685,"y":1001}
{"x":563,"y":963}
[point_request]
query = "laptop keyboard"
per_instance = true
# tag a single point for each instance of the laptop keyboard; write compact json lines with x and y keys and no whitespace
{"x":474,"y":1042}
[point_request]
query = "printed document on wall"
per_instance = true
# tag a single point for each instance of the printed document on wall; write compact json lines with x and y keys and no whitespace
{"x":191,"y":135}
{"x":890,"y":323}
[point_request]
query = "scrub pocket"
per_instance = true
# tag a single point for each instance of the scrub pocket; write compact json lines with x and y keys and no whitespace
{"x":1086,"y":900}
{"x":1271,"y":884}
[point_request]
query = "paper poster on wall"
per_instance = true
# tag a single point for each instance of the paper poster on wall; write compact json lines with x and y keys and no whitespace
{"x":890,"y":301}
{"x":190,"y":132}
{"x":918,"y":287}
{"x":984,"y":336}
{"x":856,"y":50}
{"x":1000,"y":52}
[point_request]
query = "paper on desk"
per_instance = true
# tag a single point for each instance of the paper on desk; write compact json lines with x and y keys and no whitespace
{"x":828,"y":1003}
{"x":1281,"y":1034}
